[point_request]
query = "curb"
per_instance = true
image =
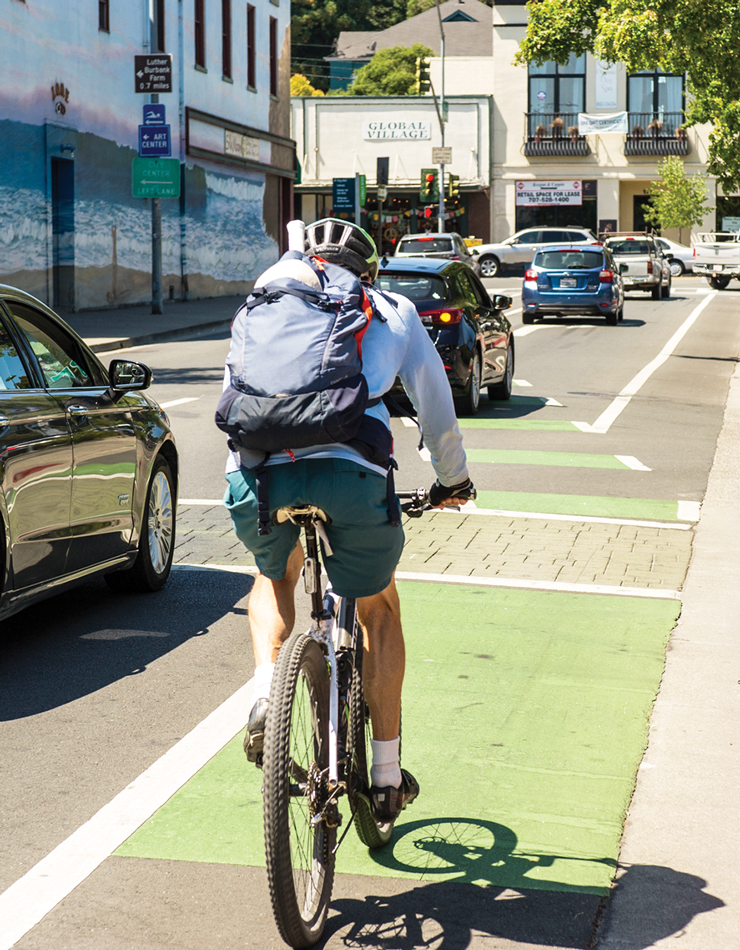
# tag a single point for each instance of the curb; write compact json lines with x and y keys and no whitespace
{"x":173,"y":334}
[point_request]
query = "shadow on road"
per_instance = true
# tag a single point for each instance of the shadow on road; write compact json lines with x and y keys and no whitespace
{"x":83,"y":640}
{"x":507,"y":904}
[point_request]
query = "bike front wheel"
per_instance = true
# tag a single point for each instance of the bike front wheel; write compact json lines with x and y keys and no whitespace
{"x":299,"y":842}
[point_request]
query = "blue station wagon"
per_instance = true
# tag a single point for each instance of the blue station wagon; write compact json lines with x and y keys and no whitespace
{"x":578,"y":279}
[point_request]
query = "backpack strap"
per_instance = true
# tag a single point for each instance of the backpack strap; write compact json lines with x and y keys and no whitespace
{"x":264,"y":522}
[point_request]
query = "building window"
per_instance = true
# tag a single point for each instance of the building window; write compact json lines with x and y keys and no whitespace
{"x":273,"y":57}
{"x":556,"y":95}
{"x":251,"y":51}
{"x":200,"y":33}
{"x":655,"y":102}
{"x":104,"y":15}
{"x":158,"y":32}
{"x":226,"y":38}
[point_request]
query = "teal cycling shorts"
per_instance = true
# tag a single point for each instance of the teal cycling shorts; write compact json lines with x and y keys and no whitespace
{"x":366,"y":546}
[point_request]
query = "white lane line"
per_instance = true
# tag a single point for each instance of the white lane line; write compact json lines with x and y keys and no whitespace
{"x":524,"y":583}
{"x":425,"y":454}
{"x":620,"y":402}
{"x":179,"y":402}
{"x":522,"y":382}
{"x":689,"y":510}
{"x":409,"y":423}
{"x":507,"y":290}
{"x":525,"y":331}
{"x":631,"y":462}
{"x":511,"y":313}
{"x":549,"y":401}
{"x":35,"y":894}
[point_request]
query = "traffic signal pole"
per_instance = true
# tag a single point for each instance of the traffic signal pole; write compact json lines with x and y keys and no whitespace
{"x":441,"y":219}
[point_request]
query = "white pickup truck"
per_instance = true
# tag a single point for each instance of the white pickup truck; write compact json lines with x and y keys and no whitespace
{"x":641,"y":262}
{"x":717,"y":257}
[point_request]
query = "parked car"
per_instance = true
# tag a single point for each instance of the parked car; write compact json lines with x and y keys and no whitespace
{"x":469,"y":329}
{"x":680,"y":257}
{"x":517,"y":251}
{"x":642,"y":263}
{"x":88,"y":463}
{"x":717,"y":257}
{"x":449,"y":245}
{"x":579,"y":279}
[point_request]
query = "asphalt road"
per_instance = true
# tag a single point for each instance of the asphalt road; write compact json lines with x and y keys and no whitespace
{"x":96,"y":687}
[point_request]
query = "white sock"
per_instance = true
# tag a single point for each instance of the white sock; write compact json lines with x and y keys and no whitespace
{"x":262,"y":681}
{"x":386,"y":767}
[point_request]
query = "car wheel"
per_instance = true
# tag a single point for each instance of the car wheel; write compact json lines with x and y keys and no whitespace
{"x":657,"y":292}
{"x":667,"y":290}
{"x":527,"y":318}
{"x":612,"y":318}
{"x":677,"y":268}
{"x":469,"y":403}
{"x":620,"y":313}
{"x":489,"y":266}
{"x":502,"y":390}
{"x":719,"y":283}
{"x":150,"y":570}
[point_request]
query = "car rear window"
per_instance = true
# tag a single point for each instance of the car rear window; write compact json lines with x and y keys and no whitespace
{"x":425,"y":245}
{"x":629,"y":247}
{"x":557,"y":260}
{"x":413,"y":286}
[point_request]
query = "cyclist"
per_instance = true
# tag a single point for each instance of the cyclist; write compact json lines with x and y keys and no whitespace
{"x":352,"y":491}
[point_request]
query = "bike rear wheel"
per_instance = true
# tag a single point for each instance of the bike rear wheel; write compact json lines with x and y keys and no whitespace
{"x":300,"y":860}
{"x":372,"y":833}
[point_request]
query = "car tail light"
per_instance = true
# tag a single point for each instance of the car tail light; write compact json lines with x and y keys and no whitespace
{"x":650,"y":267}
{"x":606,"y":276}
{"x":530,"y":274}
{"x":694,"y":252}
{"x":444,"y":318}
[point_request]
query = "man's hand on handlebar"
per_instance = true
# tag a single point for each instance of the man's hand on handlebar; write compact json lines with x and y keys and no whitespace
{"x":448,"y":496}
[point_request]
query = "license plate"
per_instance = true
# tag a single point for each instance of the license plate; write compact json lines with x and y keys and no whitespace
{"x":568,"y":282}
{"x":718,"y":267}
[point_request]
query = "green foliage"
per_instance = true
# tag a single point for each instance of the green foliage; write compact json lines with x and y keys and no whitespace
{"x":698,"y":37}
{"x":678,"y":201}
{"x":300,"y":86}
{"x":391,"y":72}
{"x":419,"y":6}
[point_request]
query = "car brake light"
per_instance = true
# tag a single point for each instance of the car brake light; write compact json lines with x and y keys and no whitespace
{"x":650,"y":267}
{"x":606,"y":276}
{"x":530,"y":275}
{"x":445,"y":317}
{"x":425,"y":239}
{"x":694,"y":252}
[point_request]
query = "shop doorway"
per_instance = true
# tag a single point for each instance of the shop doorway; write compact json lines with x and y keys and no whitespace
{"x":63,"y":233}
{"x":641,"y":204}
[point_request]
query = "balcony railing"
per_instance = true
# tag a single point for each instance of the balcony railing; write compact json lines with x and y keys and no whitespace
{"x":551,"y":133}
{"x":656,"y":134}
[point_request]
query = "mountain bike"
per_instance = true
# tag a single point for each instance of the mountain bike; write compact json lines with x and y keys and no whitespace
{"x":315,"y":751}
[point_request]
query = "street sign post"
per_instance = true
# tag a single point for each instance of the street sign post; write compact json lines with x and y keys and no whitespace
{"x":154,"y":141}
{"x":156,"y":178}
{"x":153,"y":73}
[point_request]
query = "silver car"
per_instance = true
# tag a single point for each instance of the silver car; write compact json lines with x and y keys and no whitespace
{"x":449,"y":245}
{"x":680,"y":257}
{"x":516,"y":252}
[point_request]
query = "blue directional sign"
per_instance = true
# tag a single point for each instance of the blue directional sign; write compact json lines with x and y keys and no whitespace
{"x":154,"y":113}
{"x":154,"y":141}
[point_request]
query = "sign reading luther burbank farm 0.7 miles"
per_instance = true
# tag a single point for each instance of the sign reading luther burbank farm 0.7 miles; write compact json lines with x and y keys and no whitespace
{"x":397,"y":129}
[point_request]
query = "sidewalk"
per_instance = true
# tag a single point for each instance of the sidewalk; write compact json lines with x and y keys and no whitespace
{"x":112,"y":329}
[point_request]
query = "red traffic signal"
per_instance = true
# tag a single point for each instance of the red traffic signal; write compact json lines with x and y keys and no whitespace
{"x":427,"y":212}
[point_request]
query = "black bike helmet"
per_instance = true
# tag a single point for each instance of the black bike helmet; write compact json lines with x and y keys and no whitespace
{"x":343,"y":243}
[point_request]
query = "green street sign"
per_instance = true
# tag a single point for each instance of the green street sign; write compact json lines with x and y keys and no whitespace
{"x":156,"y":178}
{"x":363,"y":190}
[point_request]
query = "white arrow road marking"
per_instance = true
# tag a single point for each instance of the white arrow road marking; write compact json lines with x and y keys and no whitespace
{"x":179,"y":402}
{"x":549,"y":401}
{"x":425,"y":454}
{"x":522,"y":382}
{"x":612,"y":411}
{"x":631,"y":462}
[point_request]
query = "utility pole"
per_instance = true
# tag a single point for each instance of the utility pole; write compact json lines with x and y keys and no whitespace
{"x":441,"y":219}
{"x":157,"y":306}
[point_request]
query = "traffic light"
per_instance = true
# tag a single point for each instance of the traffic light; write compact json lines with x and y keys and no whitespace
{"x":454,"y":186}
{"x":423,"y":78}
{"x":429,"y":191}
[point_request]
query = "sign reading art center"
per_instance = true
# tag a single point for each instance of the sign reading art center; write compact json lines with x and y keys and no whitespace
{"x":397,"y":129}
{"x":537,"y":193}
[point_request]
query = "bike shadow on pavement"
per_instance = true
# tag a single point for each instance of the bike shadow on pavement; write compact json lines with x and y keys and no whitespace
{"x":81,"y":641}
{"x":506,"y":903}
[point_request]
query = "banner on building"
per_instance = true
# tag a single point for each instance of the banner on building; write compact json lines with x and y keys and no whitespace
{"x":538,"y":193}
{"x":602,"y":124}
{"x":397,"y":129}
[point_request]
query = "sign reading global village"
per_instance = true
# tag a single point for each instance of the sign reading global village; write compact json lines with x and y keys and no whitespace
{"x":397,"y":129}
{"x":602,"y":124}
{"x":537,"y":193}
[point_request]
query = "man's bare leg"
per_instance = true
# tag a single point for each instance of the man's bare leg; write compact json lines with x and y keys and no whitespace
{"x":384,"y":660}
{"x":272,"y":610}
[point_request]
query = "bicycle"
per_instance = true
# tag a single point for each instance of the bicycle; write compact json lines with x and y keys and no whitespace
{"x":316,"y":737}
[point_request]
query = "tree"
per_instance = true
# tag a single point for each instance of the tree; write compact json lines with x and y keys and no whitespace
{"x":698,"y":37}
{"x":678,"y":201}
{"x":391,"y":72}
{"x":300,"y":86}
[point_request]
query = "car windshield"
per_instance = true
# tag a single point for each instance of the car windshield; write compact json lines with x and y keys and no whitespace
{"x":569,"y":260}
{"x":413,"y":286}
{"x":425,"y":245}
{"x":629,"y":247}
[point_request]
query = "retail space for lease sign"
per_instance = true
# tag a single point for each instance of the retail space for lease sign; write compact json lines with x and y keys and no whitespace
{"x":539,"y":193}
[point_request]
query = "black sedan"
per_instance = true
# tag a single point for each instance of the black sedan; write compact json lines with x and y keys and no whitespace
{"x":469,"y":330}
{"x":88,"y":463}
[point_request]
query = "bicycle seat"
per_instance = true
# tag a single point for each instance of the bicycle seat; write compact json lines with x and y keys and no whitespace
{"x":300,"y":514}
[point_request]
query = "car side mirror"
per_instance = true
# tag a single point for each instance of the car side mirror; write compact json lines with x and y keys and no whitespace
{"x":474,"y":251}
{"x":623,"y":268}
{"x":501,"y":301}
{"x":126,"y":376}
